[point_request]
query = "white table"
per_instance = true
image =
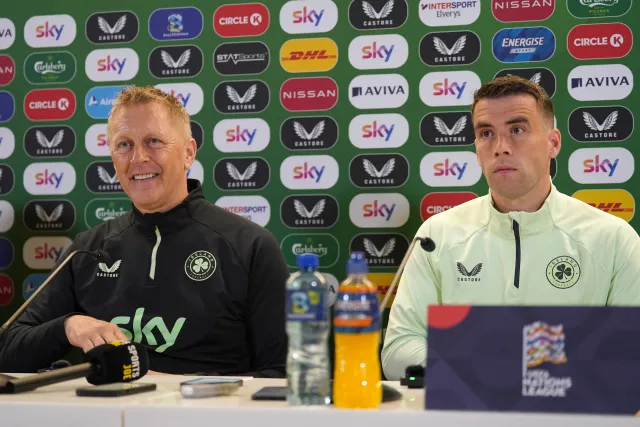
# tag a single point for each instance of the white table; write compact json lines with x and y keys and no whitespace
{"x":58,"y":406}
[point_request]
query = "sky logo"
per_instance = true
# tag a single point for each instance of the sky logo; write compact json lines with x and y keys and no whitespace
{"x":308,"y":172}
{"x":99,"y":101}
{"x":111,"y":64}
{"x":41,"y":253}
{"x":297,"y":17}
{"x":103,"y":65}
{"x":450,"y":169}
{"x":49,"y":178}
{"x":385,"y":51}
{"x":377,"y":130}
{"x":307,"y":15}
{"x":189,"y":94}
{"x":376,"y":51}
{"x":601,"y":165}
{"x":378,"y":210}
{"x":447,"y":168}
{"x":598,"y":165}
{"x":238,"y":134}
{"x":241,"y":135}
{"x":448,"y":88}
{"x":48,"y":30}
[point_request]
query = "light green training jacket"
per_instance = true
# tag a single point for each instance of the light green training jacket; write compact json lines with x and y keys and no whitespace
{"x":566,"y":253}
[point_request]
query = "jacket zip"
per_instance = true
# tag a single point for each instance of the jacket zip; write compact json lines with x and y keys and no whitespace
{"x":154,"y":252}
{"x":516,"y":233}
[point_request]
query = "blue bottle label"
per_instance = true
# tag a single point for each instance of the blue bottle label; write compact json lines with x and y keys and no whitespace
{"x":305,"y":305}
{"x":356,"y":313}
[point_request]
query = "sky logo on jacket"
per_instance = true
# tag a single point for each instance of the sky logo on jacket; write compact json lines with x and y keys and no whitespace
{"x":303,"y":17}
{"x":385,"y":51}
{"x":178,"y":23}
{"x":147,"y":333}
{"x":50,"y":31}
{"x":41,"y":253}
{"x":309,"y":172}
{"x":241,"y":135}
{"x":524,"y":44}
{"x":601,"y":165}
{"x":377,"y":210}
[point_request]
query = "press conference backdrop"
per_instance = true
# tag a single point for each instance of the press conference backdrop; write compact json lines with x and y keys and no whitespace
{"x":338,"y":126}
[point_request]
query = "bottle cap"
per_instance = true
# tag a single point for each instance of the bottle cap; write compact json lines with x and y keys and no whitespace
{"x":308,"y":261}
{"x":357,"y":263}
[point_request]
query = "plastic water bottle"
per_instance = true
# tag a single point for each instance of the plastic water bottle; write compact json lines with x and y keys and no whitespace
{"x":356,"y":320}
{"x":308,"y":330}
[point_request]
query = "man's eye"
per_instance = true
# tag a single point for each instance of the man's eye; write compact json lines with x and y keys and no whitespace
{"x":123,"y":145}
{"x":485,"y":134}
{"x":517,"y":130}
{"x":154,"y":141}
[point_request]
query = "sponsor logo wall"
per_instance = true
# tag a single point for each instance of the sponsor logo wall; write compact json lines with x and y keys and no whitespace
{"x":337,"y":125}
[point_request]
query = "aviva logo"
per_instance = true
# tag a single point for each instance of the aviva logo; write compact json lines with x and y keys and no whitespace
{"x":147,"y":332}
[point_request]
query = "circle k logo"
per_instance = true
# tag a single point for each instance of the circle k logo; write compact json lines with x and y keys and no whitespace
{"x":617,"y":202}
{"x":434,"y":203}
{"x":49,"y":104}
{"x":308,"y":55}
{"x":309,"y":94}
{"x":241,"y":20}
{"x":600,"y":41}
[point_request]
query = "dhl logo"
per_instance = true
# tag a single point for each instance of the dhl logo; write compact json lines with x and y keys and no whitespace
{"x":308,"y":55}
{"x":616,"y":202}
{"x":382,"y":282}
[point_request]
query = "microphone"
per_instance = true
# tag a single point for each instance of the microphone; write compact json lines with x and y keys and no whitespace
{"x":426,"y":244}
{"x":116,"y":361}
{"x":97,"y":255}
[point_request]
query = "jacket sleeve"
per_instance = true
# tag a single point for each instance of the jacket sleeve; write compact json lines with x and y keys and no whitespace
{"x":405,"y":342}
{"x":625,"y":280}
{"x":37,"y":338}
{"x":266,"y":309}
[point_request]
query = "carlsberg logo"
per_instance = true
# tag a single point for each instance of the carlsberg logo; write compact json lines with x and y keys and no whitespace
{"x":299,"y":248}
{"x":146,"y":331}
{"x":49,"y":67}
{"x":107,"y":214}
{"x":594,"y":3}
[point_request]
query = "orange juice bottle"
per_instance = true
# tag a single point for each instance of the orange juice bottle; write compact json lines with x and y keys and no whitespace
{"x":357,"y":382}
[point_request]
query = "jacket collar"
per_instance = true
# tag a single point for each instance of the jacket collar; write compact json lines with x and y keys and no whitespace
{"x":530,"y":223}
{"x":174,"y":219}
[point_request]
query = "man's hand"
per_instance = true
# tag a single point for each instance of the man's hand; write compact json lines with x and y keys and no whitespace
{"x":86,"y":332}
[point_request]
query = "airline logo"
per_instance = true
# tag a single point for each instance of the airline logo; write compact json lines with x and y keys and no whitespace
{"x":438,"y":13}
{"x":247,"y":173}
{"x":175,"y":61}
{"x":381,"y":249}
{"x":377,"y":14}
{"x":378,"y":91}
{"x":7,"y":290}
{"x":108,"y":65}
{"x":617,"y":202}
{"x":524,"y":44}
{"x":522,"y":10}
{"x":241,"y":135}
{"x":246,"y":96}
{"x":189,"y":94}
{"x":98,"y":211}
{"x":177,"y":23}
{"x":600,"y":41}
{"x":32,"y":283}
{"x":379,"y":52}
{"x":241,"y":58}
{"x":309,"y":133}
{"x":379,"y":210}
{"x":99,"y":101}
{"x":56,"y":215}
{"x":308,"y":55}
{"x":7,"y":216}
{"x":49,"y":141}
{"x":7,"y":142}
{"x":303,"y":17}
{"x":601,"y":165}
{"x":379,"y":170}
{"x":254,"y":208}
{"x":450,"y":48}
{"x":309,"y":172}
{"x":309,"y":94}
{"x":42,"y":179}
{"x":100,"y":177}
{"x":7,"y":106}
{"x":601,"y":124}
{"x":309,"y":211}
{"x":7,"y":70}
{"x":112,"y":27}
{"x":451,"y":128}
{"x":7,"y":33}
{"x":241,"y":20}
{"x":448,"y":88}
{"x":49,"y":104}
{"x":50,"y":31}
{"x":389,"y":130}
{"x":540,"y":76}
{"x":196,"y":171}
{"x":450,"y":169}
{"x":598,"y":8}
{"x":434,"y":203}
{"x":50,"y":68}
{"x":95,"y":140}
{"x":7,"y":179}
{"x":42,"y":253}
{"x":600,"y":82}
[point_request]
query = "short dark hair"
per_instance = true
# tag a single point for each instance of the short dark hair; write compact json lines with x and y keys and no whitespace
{"x":515,"y":85}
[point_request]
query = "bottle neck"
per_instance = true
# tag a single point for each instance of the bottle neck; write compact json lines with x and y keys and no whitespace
{"x":307,"y":269}
{"x":358,"y":276}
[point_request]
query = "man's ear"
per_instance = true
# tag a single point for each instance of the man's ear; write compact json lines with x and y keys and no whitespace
{"x":554,"y":138}
{"x":190,"y":149}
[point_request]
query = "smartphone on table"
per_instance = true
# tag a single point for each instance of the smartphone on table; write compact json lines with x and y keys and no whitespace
{"x":209,"y":387}
{"x":115,"y":389}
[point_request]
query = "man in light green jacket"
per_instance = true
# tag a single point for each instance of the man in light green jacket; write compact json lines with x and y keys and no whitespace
{"x":524,"y":243}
